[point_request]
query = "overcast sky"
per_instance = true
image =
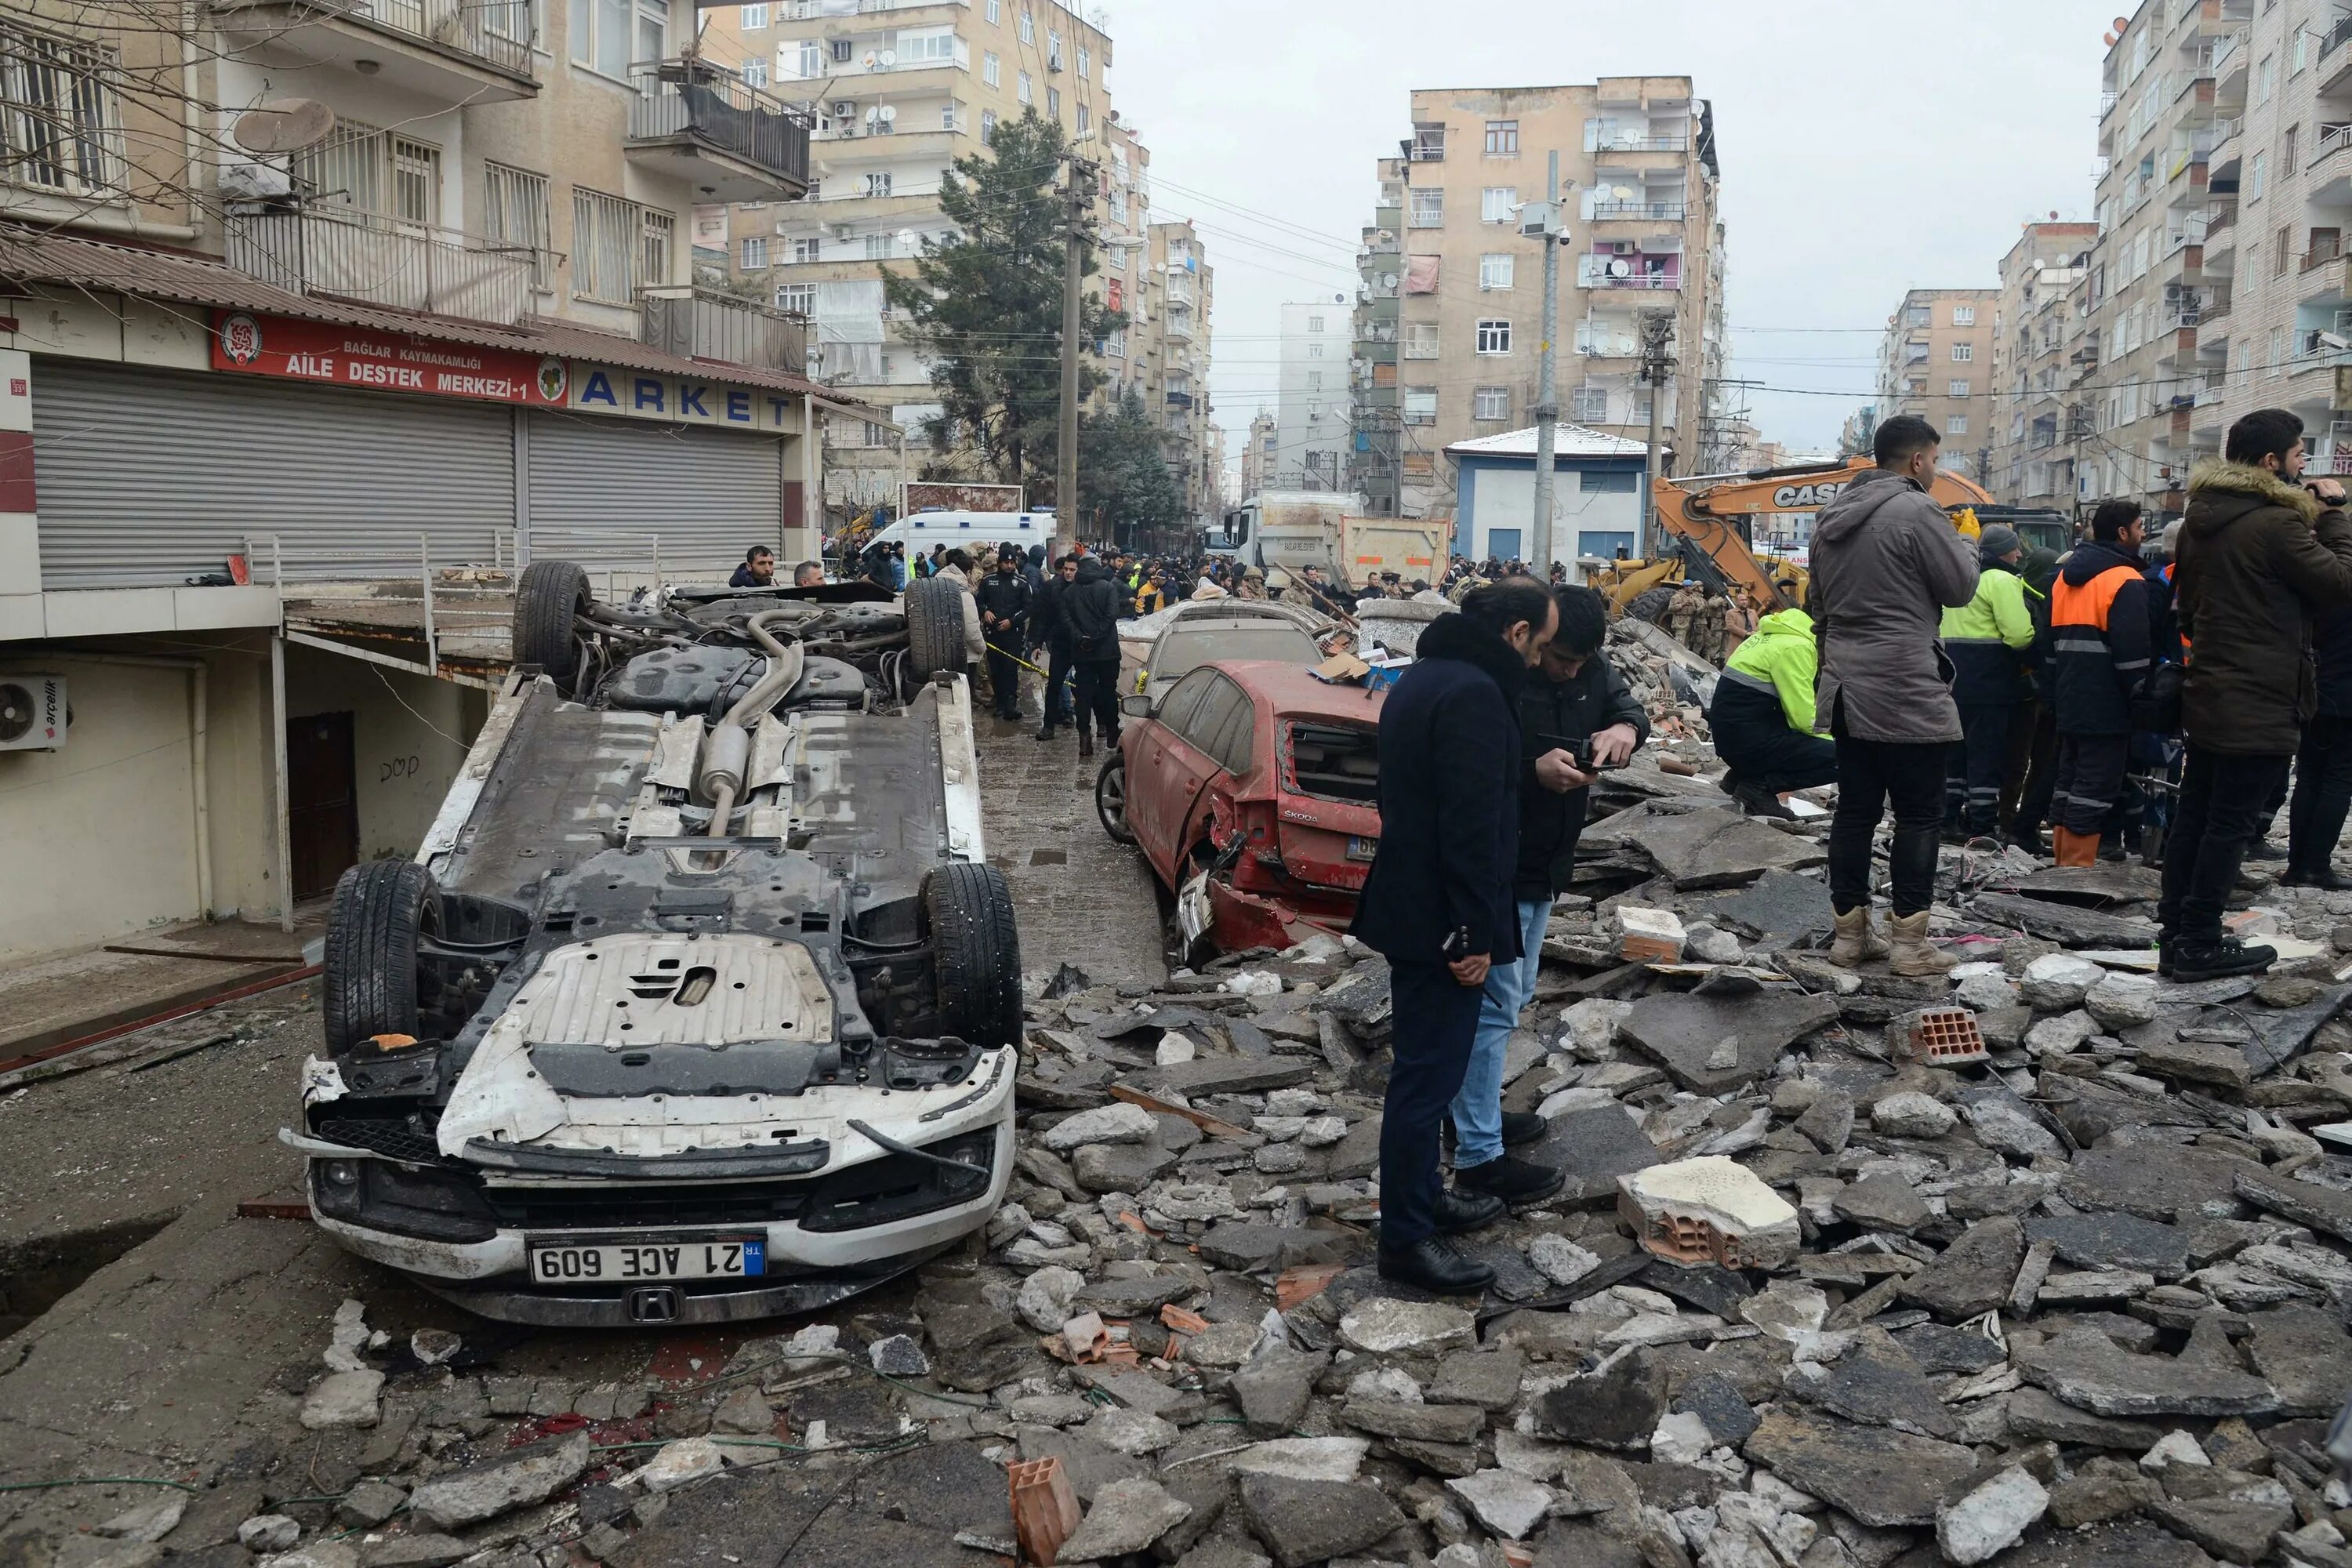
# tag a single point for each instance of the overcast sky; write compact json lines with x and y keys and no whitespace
{"x":1866,"y":148}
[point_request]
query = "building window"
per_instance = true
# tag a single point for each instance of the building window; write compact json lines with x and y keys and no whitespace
{"x":1502,"y":137}
{"x":1494,"y":337}
{"x":995,"y":12}
{"x":878,"y":182}
{"x":1496,"y":203}
{"x":1021,"y":89}
{"x":2287,"y":147}
{"x":1957,"y":425}
{"x":1052,"y":103}
{"x":1963,"y":352}
{"x":2278,"y":348}
{"x":1028,"y":26}
{"x":1314,"y":381}
{"x":1491,"y":402}
{"x":1590,"y":404}
{"x":606,"y":35}
{"x":1956,"y":389}
{"x":1313,"y":323}
{"x":755,"y":253}
{"x":807,"y":250}
{"x":2254,"y":177}
{"x":755,"y":17}
{"x":1495,"y":271}
{"x":515,"y":217}
{"x":988,"y":127}
{"x":2281,"y":248}
{"x":1314,"y":351}
{"x":808,"y":64}
{"x":1421,"y":340}
{"x":755,"y":71}
{"x":1085,"y":66}
{"x":1428,"y":207}
{"x":1421,"y":405}
{"x":2266,"y":78}
{"x":800,"y":299}
{"x":950,"y":116}
{"x":880,"y":245}
{"x":991,"y":70}
{"x":608,"y":248}
{"x":659,"y":239}
{"x":1052,"y":50}
{"x":1084,"y":120}
{"x":842,"y":49}
{"x":373,"y":171}
{"x":1964,"y":315}
{"x":1609,"y":481}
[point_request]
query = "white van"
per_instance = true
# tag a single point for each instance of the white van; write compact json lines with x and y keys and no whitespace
{"x":972,"y":532}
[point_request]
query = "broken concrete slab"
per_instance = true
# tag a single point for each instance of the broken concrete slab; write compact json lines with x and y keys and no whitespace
{"x":1709,"y":1210}
{"x":1719,"y":847}
{"x":1779,"y":907}
{"x":2061,"y":923}
{"x":1874,"y":1390}
{"x":1687,"y":1034}
{"x":1615,"y":1408}
{"x":2090,"y":1371}
{"x":1990,"y":1519}
{"x":2116,"y":1241}
{"x":2305,"y":1202}
{"x":2307,"y":1357}
{"x":1884,"y":1479}
{"x":1126,"y":1516}
{"x":1973,"y":1275}
{"x":1305,"y":1522}
{"x":1592,"y":1148}
{"x":517,"y":1478}
{"x":1228,"y":1075}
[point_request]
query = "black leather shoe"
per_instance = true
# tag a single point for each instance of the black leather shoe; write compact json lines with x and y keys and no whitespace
{"x":1435,"y":1267}
{"x":1458,"y":1211}
{"x":2263,"y":849}
{"x":2324,"y":877}
{"x":2223,"y":960}
{"x":1517,"y":1181}
{"x":1758,"y":801}
{"x":1521,"y":1128}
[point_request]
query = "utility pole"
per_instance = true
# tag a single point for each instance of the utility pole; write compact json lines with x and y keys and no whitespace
{"x":1080,"y":197}
{"x":1657,"y":329}
{"x":1548,"y":393}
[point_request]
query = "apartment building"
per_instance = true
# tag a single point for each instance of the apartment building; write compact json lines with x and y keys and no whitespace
{"x":1641,"y":183}
{"x":273,"y":379}
{"x":2034,"y":336}
{"x":1936,"y":361}
{"x":1312,"y":399}
{"x":899,"y":91}
{"x":1177,"y":290}
{"x":1257,"y":454}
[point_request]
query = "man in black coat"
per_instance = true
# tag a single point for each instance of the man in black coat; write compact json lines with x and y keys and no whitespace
{"x":2323,"y":767}
{"x":1003,"y":601}
{"x":1575,"y":701}
{"x":1089,"y":609}
{"x":2099,"y":638}
{"x":1049,"y":639}
{"x":1438,"y":902}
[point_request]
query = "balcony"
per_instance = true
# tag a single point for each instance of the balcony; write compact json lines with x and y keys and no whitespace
{"x":450,"y":52}
{"x":340,"y":254}
{"x":731,"y":142}
{"x":1180,"y":399}
{"x":2334,"y":59}
{"x":701,"y":323}
{"x":1642,"y":273}
{"x":1649,"y":212}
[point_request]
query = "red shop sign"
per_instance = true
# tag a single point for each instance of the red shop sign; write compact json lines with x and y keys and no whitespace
{"x":384,"y":361}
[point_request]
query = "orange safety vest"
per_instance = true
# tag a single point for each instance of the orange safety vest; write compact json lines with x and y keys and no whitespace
{"x":2087,"y":604}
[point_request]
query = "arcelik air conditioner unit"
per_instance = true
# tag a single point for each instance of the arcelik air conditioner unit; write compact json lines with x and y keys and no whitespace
{"x":33,"y":712}
{"x":843,"y":107}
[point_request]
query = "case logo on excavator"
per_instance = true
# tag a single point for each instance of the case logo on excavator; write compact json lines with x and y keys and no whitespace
{"x":1790,"y":497}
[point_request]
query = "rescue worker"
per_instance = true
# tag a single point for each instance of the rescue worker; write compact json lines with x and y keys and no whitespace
{"x":1683,"y":611}
{"x":1005,"y":602}
{"x":2098,"y":657}
{"x":1762,"y":716}
{"x":2031,"y":774}
{"x":1252,"y":585}
{"x":1153,"y":597}
{"x":1989,"y":640}
{"x":1713,"y":618}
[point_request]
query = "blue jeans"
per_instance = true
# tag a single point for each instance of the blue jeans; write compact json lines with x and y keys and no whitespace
{"x":1478,"y":1108}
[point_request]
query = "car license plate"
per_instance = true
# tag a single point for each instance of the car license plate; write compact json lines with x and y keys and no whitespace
{"x":720,"y":1258}
{"x":1360,"y":848}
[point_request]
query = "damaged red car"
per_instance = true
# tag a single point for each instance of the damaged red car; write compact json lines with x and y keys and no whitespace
{"x":1253,"y":789}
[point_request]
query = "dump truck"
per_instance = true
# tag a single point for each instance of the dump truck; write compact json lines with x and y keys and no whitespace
{"x":1296,"y":529}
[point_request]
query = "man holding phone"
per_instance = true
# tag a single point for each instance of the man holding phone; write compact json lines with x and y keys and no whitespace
{"x":2263,"y":554}
{"x":1576,"y":719}
{"x":1438,"y":902}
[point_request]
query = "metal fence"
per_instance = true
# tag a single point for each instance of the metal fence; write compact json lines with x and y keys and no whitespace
{"x":352,"y":254}
{"x":691,"y":98}
{"x":499,"y":32}
{"x":699,"y":324}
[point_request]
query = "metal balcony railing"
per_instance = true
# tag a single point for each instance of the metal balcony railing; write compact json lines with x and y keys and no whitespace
{"x":691,"y":98}
{"x":344,"y":254}
{"x":704,"y":324}
{"x":1665,"y":212}
{"x":1600,"y":278}
{"x":499,"y":33}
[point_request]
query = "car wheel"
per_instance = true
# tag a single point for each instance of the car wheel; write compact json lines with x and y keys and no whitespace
{"x":1649,"y":604}
{"x":934,"y":627}
{"x":1110,"y":797}
{"x":548,"y":603}
{"x":380,"y":911}
{"x":975,"y":953}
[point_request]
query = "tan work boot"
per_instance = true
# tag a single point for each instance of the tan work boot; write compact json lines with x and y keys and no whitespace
{"x":1856,"y":943}
{"x":1911,"y":953}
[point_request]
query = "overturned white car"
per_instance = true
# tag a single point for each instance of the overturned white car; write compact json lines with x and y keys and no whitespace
{"x":700,"y":1002}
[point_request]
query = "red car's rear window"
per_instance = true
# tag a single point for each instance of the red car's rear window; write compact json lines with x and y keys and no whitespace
{"x":1332,"y":761}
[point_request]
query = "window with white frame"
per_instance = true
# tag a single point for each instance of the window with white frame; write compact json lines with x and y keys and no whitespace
{"x":1957,"y":425}
{"x":755,"y":71}
{"x":1052,"y":49}
{"x":1491,"y":403}
{"x":800,"y":299}
{"x":608,"y":35}
{"x":1313,"y":323}
{"x":1590,"y":404}
{"x":1052,"y":103}
{"x":755,"y":252}
{"x":1314,"y":351}
{"x":987,"y":127}
{"x":1963,"y":352}
{"x":924,"y":45}
{"x":1956,"y":389}
{"x":1421,"y":340}
{"x":1314,"y":381}
{"x":1495,"y":271}
{"x":515,"y":217}
{"x":755,"y":18}
{"x":1022,"y":90}
{"x":1498,"y":202}
{"x":1086,"y":65}
{"x":809,"y":249}
{"x":991,"y":70}
{"x":1421,"y":405}
{"x":1028,"y":26}
{"x":373,"y":171}
{"x":880,"y":246}
{"x":607,"y":247}
{"x":657,"y":248}
{"x":877,"y":184}
{"x":1494,"y":337}
{"x":807,"y":63}
{"x":1085,"y":119}
{"x":995,"y":12}
{"x":1428,"y":207}
{"x":1964,"y":315}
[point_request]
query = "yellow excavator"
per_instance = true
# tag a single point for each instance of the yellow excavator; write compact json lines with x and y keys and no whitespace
{"x":1702,"y":515}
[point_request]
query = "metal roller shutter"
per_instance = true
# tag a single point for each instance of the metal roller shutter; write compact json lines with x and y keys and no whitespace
{"x":149,"y":477}
{"x":606,"y":492}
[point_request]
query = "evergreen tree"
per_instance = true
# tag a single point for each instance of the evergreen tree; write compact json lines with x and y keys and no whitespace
{"x":985,"y":307}
{"x":1123,"y":478}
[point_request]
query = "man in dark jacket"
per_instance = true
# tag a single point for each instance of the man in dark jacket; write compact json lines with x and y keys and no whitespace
{"x":1438,"y":902}
{"x":1049,"y":640}
{"x":1987,"y":640}
{"x":1089,"y":609}
{"x":758,"y":571}
{"x":2099,"y":656}
{"x":2323,"y":768}
{"x":1004,"y":600}
{"x":2262,"y":555}
{"x":2029,"y":781}
{"x":1887,"y":563}
{"x":1574,"y":701}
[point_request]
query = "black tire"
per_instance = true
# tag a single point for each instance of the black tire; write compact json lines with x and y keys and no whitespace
{"x":935,"y":628}
{"x":381,"y":908}
{"x":1649,"y":604}
{"x":975,"y":953}
{"x":1110,"y":796}
{"x":548,"y":600}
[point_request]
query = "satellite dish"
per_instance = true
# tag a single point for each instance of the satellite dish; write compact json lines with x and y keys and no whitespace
{"x":2108,"y":40}
{"x":2123,"y":25}
{"x":889,"y":59}
{"x":889,"y":114}
{"x":873,"y":116}
{"x":1388,"y":279}
{"x":909,"y":239}
{"x":1623,"y":193}
{"x":1620,"y":268}
{"x":871,"y":59}
{"x":283,"y":125}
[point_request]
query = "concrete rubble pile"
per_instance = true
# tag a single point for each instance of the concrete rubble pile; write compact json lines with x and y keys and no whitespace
{"x":2047,"y":1264}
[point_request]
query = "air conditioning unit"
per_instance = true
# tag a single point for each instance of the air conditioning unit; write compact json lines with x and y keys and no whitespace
{"x":1623,"y":247}
{"x":33,"y":712}
{"x":844,"y":107}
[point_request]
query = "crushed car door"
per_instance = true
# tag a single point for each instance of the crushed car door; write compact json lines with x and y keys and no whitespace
{"x":1152,"y":814}
{"x":1195,"y":764}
